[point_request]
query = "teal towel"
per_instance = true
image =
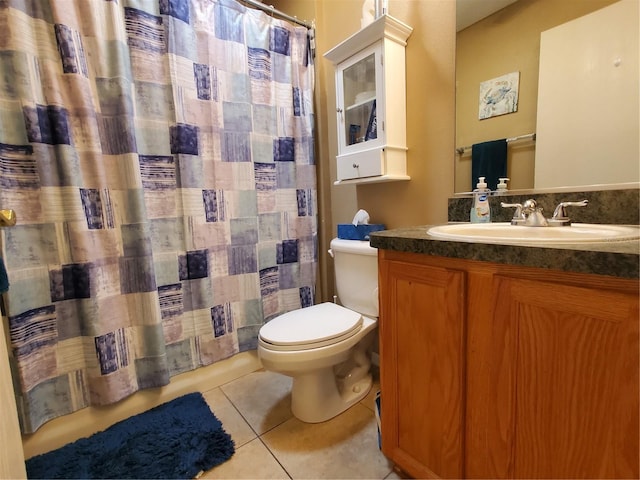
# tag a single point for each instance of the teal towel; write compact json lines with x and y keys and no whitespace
{"x":4,"y":279}
{"x":489,"y":160}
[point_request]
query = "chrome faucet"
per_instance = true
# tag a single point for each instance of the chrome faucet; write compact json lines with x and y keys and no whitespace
{"x":530,"y":215}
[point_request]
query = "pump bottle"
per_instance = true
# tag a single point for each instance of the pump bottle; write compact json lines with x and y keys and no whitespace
{"x":480,"y":209}
{"x":501,"y":189}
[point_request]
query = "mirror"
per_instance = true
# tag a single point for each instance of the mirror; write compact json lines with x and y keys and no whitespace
{"x":504,"y":42}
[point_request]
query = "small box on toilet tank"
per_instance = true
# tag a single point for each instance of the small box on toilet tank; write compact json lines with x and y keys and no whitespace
{"x":348,"y":231}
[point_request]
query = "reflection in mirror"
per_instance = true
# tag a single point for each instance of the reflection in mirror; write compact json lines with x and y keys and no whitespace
{"x":504,"y":42}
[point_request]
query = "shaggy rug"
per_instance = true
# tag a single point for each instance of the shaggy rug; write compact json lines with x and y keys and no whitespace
{"x":178,"y":439}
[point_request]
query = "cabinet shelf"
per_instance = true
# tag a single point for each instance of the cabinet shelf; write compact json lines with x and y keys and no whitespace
{"x":359,"y":104}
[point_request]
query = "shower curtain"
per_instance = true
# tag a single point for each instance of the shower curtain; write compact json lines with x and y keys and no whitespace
{"x":159,"y":155}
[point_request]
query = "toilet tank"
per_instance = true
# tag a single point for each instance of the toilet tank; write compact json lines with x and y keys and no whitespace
{"x":356,"y":268}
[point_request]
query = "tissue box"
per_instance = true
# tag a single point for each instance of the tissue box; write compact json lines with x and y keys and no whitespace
{"x":348,"y":231}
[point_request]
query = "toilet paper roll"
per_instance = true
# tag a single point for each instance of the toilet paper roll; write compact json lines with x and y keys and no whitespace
{"x":361,"y":218}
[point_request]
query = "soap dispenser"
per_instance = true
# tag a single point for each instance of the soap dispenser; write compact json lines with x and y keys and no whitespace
{"x":480,"y":209}
{"x":502,"y":186}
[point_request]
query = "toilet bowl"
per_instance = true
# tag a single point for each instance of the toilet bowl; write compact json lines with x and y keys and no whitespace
{"x":329,"y":364}
{"x":326,"y":348}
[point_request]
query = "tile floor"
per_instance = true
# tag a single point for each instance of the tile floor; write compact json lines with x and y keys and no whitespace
{"x":272,"y":443}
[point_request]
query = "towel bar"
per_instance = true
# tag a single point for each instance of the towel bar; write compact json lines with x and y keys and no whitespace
{"x":532,"y":136}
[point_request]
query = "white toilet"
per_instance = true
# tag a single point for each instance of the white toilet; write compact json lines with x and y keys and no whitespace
{"x":326,"y":348}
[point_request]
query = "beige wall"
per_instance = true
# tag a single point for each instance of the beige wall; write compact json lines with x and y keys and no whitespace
{"x":507,"y":41}
{"x":430,"y":120}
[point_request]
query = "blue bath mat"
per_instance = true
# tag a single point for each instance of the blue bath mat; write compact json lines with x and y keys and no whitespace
{"x":177,"y":439}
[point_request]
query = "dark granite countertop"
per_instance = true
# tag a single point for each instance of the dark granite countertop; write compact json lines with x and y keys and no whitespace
{"x":615,"y":258}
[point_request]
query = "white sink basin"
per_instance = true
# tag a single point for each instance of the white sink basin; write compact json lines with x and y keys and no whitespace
{"x":506,"y":233}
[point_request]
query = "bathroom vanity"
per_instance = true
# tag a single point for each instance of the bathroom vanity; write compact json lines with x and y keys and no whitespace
{"x":509,"y":361}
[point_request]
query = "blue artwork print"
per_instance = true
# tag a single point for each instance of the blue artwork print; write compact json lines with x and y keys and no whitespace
{"x":499,"y":96}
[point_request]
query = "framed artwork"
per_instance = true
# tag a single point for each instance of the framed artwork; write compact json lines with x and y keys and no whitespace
{"x":499,"y":96}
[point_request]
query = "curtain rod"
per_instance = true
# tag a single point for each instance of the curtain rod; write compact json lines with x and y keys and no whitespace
{"x":531,"y":136}
{"x":273,"y":11}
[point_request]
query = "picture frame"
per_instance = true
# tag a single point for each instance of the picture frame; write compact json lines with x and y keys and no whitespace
{"x":499,"y":96}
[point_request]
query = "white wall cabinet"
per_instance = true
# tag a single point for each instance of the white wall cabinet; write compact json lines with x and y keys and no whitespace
{"x":371,"y":103}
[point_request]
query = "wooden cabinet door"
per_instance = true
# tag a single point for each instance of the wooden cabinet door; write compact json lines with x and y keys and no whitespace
{"x":563,"y":382}
{"x":421,"y":367}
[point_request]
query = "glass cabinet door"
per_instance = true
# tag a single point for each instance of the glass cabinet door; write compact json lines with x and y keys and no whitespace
{"x":359,"y":90}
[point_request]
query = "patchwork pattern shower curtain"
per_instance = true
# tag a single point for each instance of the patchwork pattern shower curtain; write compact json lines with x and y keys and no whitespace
{"x":160,"y":157}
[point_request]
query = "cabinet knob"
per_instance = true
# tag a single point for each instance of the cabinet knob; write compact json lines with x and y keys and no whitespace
{"x":355,"y":165}
{"x":339,"y":110}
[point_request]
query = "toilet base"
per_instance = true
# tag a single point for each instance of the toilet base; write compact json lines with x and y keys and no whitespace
{"x":317,"y":396}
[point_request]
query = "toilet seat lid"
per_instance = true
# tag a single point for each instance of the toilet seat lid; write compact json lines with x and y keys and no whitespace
{"x":311,"y":327}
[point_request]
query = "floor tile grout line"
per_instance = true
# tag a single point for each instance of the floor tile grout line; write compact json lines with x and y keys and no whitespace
{"x":275,"y":457}
{"x":365,"y":402}
{"x":246,"y":420}
{"x":257,"y":435}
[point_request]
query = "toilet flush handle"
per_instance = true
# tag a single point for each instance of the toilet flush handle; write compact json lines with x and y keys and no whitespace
{"x":330,"y":252}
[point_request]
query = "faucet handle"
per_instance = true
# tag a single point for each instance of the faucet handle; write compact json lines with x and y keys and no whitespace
{"x":518,"y":217}
{"x":560,"y":214}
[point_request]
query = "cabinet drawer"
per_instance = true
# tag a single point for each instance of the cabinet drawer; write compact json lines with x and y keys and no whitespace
{"x":367,"y":163}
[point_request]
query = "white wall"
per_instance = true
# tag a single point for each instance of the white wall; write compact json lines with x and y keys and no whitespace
{"x":588,"y":100}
